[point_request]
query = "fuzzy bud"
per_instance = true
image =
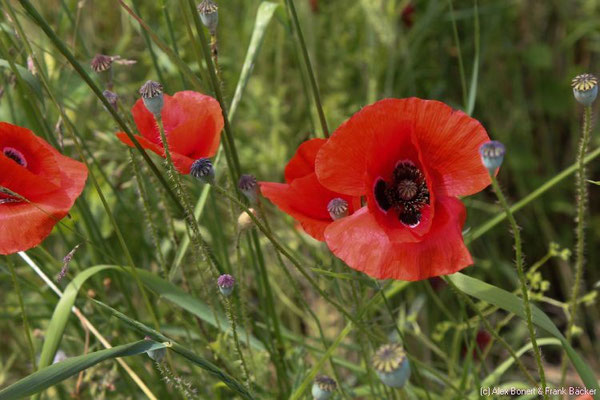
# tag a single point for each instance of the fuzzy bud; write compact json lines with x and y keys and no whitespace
{"x":391,"y":364}
{"x":209,"y":14}
{"x":492,"y":155}
{"x":203,"y":170}
{"x":323,"y":387}
{"x":337,"y":208}
{"x":245,"y":221}
{"x":226,"y":283}
{"x":585,"y":89}
{"x":249,"y":187}
{"x":152,"y":95}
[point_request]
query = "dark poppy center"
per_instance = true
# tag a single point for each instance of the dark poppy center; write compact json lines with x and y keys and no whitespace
{"x":15,"y":155}
{"x":407,"y":193}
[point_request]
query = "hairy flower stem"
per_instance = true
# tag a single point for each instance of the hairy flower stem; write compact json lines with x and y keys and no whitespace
{"x":15,"y":280}
{"x":519,"y":264}
{"x":582,"y":199}
{"x":238,"y":349}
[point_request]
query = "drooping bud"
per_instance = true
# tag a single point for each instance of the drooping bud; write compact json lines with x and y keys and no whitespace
{"x":391,"y":364}
{"x":157,"y":355}
{"x":323,"y":387}
{"x":152,"y":95}
{"x":209,"y":14}
{"x":249,"y":187}
{"x":585,"y":88}
{"x":492,"y":155}
{"x":226,"y":283}
{"x":203,"y":170}
{"x":112,"y":98}
{"x":337,"y":208}
{"x":244,"y":221}
{"x":101,"y":63}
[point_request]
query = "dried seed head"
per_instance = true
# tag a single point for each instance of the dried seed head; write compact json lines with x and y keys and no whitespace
{"x":585,"y":88}
{"x":249,"y":187}
{"x":391,"y":365}
{"x":337,"y":208}
{"x":203,"y":170}
{"x":101,"y":63}
{"x":492,"y":155}
{"x":323,"y":387}
{"x":226,"y":283}
{"x":209,"y":14}
{"x":152,"y":95}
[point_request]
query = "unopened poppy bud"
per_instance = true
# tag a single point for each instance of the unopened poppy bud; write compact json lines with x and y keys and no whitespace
{"x":226,"y":283}
{"x":203,"y":170}
{"x":112,"y":98}
{"x":323,"y":387}
{"x":157,"y":355}
{"x":152,"y":95}
{"x":492,"y":155}
{"x":585,"y":88}
{"x":209,"y":15}
{"x":249,"y":187}
{"x":101,"y":63}
{"x":391,"y":364}
{"x":244,"y":221}
{"x":337,"y":208}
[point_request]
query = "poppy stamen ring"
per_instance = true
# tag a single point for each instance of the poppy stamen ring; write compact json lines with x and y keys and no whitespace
{"x":15,"y":155}
{"x":407,"y":194}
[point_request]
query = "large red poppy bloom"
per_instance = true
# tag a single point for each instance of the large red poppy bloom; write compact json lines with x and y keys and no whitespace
{"x":410,"y":158}
{"x":46,"y":182}
{"x":302,"y":196}
{"x":193,"y":124}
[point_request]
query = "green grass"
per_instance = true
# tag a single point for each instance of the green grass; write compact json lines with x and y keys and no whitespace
{"x":284,"y":75}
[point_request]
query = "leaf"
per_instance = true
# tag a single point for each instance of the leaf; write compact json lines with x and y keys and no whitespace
{"x":26,"y":75}
{"x":512,"y":303}
{"x":597,"y":183}
{"x":58,"y":372}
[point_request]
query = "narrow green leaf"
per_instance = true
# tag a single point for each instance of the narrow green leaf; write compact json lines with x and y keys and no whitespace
{"x":58,"y":372}
{"x":510,"y":302}
{"x":25,"y":74}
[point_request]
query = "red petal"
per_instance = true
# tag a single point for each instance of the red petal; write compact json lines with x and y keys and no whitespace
{"x":145,"y":122}
{"x":450,"y":142}
{"x":363,"y":245}
{"x":306,"y":200}
{"x":303,"y":162}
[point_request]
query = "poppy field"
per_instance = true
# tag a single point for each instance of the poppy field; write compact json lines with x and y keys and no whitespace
{"x":299,"y":199}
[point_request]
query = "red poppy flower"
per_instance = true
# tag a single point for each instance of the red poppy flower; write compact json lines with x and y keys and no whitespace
{"x":46,"y":182}
{"x":411,"y":158}
{"x":193,"y":124}
{"x":303,"y":197}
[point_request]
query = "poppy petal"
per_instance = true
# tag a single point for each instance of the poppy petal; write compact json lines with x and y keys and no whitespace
{"x":364,"y":245}
{"x":303,"y":162}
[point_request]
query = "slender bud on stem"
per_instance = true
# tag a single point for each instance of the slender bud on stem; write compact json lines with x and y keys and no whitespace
{"x":244,"y":221}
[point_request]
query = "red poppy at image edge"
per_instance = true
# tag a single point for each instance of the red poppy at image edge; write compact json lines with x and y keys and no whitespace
{"x":302,"y":196}
{"x":192,"y":122}
{"x":410,"y":159}
{"x":49,"y":181}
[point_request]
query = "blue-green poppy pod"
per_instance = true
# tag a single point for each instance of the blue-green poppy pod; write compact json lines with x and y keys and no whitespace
{"x":323,"y":387}
{"x":392,"y":365}
{"x":585,"y":89}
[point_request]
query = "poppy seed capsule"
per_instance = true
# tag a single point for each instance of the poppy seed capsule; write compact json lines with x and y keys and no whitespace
{"x":337,"y":208}
{"x":585,"y":89}
{"x":152,"y":95}
{"x":226,"y":283}
{"x":209,"y":15}
{"x":249,"y":187}
{"x":203,"y":170}
{"x":391,"y":365}
{"x":101,"y":63}
{"x":323,"y":387}
{"x":492,"y":155}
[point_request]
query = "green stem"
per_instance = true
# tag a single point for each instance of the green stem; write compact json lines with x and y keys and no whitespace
{"x":582,"y":198}
{"x":238,"y":349}
{"x":23,"y":313}
{"x":311,"y":75}
{"x":461,"y":67}
{"x":519,"y":264}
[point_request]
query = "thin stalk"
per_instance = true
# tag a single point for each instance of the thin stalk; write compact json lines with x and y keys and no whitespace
{"x":311,"y":75}
{"x":15,"y":280}
{"x":519,"y":264}
{"x":461,"y":67}
{"x":238,"y":349}
{"x":582,"y":199}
